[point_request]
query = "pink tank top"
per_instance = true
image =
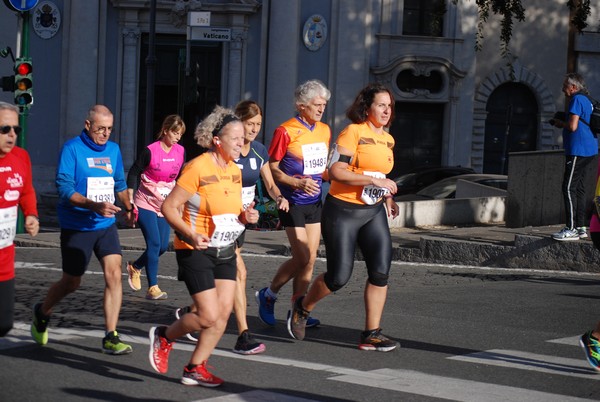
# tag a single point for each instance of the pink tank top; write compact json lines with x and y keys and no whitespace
{"x":158,"y":179}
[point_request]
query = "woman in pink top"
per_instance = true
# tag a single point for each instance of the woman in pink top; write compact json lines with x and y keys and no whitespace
{"x":154,"y":174}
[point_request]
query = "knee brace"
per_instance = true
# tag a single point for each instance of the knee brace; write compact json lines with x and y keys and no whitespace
{"x":378,"y":279}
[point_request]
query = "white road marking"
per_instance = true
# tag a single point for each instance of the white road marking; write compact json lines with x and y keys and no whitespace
{"x":571,"y":340}
{"x":531,"y":361}
{"x":408,"y":381}
{"x":450,"y":267}
{"x":257,"y":396}
{"x":417,"y":383}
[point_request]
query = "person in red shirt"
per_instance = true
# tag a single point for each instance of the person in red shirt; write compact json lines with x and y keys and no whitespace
{"x":16,"y":190}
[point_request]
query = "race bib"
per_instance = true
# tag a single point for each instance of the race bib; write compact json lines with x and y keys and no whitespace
{"x":315,"y":158}
{"x":248,"y":196}
{"x":101,"y":189}
{"x":8,"y":226}
{"x":227,"y":229}
{"x":164,"y":191}
{"x":371,"y":194}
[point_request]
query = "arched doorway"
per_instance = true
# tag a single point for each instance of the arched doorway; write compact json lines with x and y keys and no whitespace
{"x":511,"y":125}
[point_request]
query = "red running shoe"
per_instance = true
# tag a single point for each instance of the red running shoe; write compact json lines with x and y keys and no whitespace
{"x":160,"y":348}
{"x":199,"y":375}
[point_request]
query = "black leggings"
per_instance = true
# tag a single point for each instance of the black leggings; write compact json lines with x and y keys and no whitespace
{"x":7,"y":306}
{"x":344,"y":225}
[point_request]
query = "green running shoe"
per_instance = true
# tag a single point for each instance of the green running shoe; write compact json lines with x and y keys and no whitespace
{"x":112,"y":345}
{"x":591,"y":348}
{"x":39,"y":326}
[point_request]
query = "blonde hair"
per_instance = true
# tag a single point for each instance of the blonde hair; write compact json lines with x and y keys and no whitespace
{"x":172,"y":122}
{"x":213,"y":124}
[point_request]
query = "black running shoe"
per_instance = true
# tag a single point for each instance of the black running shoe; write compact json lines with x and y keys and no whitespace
{"x":375,"y":340}
{"x":247,"y":345}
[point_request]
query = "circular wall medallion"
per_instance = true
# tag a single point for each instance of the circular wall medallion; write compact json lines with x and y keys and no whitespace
{"x":315,"y":32}
{"x":46,"y":19}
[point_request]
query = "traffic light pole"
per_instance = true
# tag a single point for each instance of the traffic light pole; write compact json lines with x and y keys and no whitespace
{"x":22,"y":139}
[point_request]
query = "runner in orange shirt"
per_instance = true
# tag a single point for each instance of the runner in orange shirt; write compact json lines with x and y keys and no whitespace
{"x":209,"y":192}
{"x":355,"y":213}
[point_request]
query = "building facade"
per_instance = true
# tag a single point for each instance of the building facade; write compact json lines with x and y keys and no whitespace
{"x":454,"y":105}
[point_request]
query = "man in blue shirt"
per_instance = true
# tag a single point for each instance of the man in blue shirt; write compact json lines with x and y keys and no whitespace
{"x":90,"y":172}
{"x":581,"y":147}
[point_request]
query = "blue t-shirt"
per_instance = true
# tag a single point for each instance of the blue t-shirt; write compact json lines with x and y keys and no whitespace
{"x":251,"y":164}
{"x":82,"y":162}
{"x":580,"y":142}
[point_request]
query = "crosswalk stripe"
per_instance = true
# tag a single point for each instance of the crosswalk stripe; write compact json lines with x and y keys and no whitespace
{"x":530,"y":361}
{"x":414,"y":382}
{"x":257,"y":396}
{"x":400,"y":380}
{"x":571,"y":340}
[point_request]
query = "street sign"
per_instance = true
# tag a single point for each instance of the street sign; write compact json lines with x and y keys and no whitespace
{"x":199,"y":19}
{"x":21,"y":5}
{"x":209,"y":34}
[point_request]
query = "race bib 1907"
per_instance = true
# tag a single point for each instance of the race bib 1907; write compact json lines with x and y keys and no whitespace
{"x":371,"y":194}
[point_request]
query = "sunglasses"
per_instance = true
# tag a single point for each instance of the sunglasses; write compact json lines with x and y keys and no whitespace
{"x":6,"y":129}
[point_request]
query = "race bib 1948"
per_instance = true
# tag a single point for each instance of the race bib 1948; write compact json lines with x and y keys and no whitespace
{"x":315,"y":158}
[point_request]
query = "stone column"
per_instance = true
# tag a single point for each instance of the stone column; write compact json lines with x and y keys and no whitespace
{"x":282,"y":64}
{"x":81,"y":65}
{"x":234,"y":78}
{"x":128,"y":118}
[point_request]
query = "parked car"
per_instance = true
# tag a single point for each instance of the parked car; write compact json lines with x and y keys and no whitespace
{"x":446,"y":188}
{"x":422,"y":177}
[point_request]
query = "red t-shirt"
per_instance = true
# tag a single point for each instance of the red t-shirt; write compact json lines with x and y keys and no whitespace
{"x":16,"y":189}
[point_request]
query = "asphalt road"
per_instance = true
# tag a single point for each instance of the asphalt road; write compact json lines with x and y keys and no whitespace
{"x":467,"y":334}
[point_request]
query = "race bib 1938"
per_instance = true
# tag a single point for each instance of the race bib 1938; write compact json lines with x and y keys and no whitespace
{"x":101,"y":189}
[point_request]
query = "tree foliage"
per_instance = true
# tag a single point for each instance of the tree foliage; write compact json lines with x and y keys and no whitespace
{"x":511,"y":10}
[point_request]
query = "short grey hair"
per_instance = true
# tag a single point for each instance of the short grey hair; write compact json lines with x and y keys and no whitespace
{"x":9,"y":106}
{"x":577,"y":80}
{"x":310,"y":90}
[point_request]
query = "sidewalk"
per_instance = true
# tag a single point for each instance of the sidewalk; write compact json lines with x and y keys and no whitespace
{"x":489,"y":245}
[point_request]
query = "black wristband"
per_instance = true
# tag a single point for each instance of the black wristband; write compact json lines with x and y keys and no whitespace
{"x":129,"y":210}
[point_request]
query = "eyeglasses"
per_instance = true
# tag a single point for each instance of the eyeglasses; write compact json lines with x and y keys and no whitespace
{"x":102,"y":130}
{"x":6,"y":129}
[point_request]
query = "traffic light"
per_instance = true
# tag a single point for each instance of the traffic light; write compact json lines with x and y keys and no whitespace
{"x":23,"y":82}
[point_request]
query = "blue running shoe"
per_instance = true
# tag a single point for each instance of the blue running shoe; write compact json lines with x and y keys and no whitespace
{"x":591,"y":348}
{"x":312,"y":322}
{"x":266,"y":307}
